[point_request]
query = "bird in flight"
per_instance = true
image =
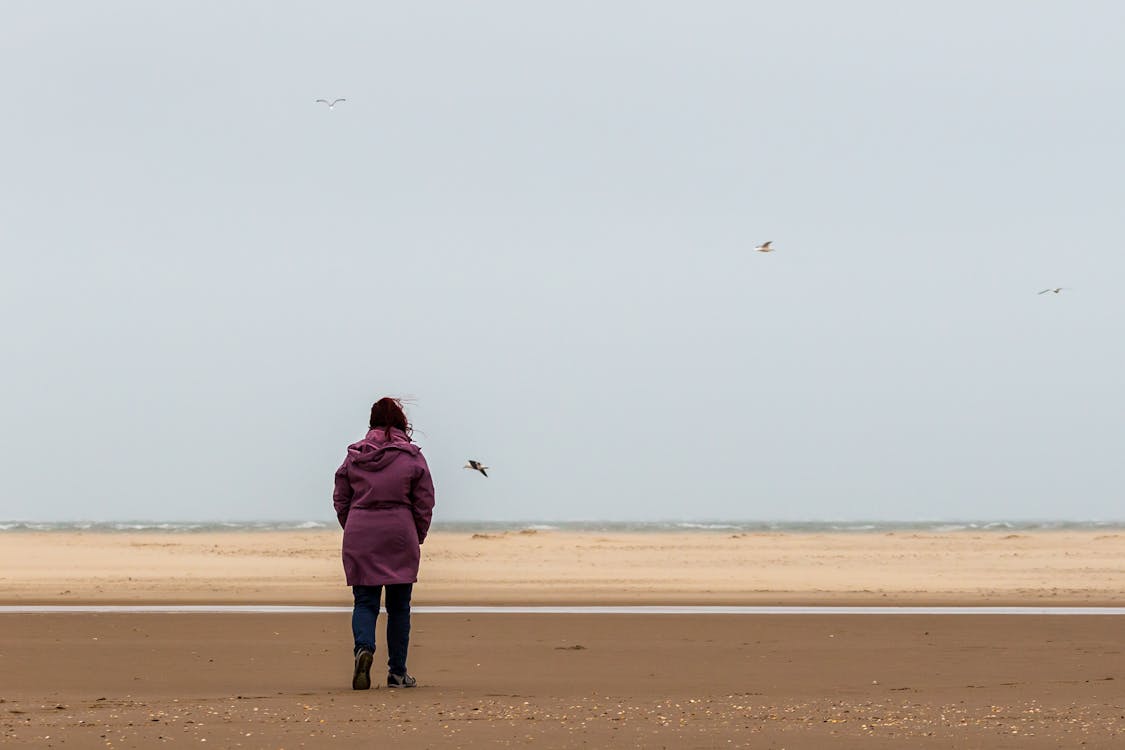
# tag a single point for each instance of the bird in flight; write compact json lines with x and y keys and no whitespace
{"x":1056,"y":290}
{"x":765,"y":247}
{"x":476,"y":466}
{"x":332,"y":104}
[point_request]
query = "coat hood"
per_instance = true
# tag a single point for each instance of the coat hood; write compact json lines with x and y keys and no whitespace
{"x":375,"y":451}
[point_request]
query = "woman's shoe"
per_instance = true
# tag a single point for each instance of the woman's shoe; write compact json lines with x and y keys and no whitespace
{"x":361,"y":678}
{"x":401,"y":681}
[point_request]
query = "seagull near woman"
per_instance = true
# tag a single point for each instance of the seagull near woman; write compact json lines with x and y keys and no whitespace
{"x":765,"y":247}
{"x":331,"y":104}
{"x":476,"y":466}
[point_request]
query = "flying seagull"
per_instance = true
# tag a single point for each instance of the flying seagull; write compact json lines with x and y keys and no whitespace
{"x":765,"y":247}
{"x":476,"y":466}
{"x":1056,"y":290}
{"x":332,"y":104}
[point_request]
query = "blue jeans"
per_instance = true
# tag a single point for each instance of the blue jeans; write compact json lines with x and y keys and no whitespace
{"x":366,"y":612}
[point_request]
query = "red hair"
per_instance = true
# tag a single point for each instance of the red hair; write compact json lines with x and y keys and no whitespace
{"x":387,"y":413}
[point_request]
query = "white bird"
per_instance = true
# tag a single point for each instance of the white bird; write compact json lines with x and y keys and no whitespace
{"x":765,"y":247}
{"x":332,"y":104}
{"x":476,"y":466}
{"x":1056,"y":290}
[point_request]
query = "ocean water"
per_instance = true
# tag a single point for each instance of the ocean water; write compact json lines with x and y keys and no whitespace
{"x":636,"y":609}
{"x":710,"y":526}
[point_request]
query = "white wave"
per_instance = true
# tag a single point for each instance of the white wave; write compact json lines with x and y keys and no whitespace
{"x":12,"y":526}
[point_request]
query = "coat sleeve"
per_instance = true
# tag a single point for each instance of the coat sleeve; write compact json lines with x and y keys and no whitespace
{"x":422,"y":499}
{"x":342,"y":495}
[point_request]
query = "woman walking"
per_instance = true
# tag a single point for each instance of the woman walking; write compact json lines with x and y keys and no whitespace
{"x":384,"y":500}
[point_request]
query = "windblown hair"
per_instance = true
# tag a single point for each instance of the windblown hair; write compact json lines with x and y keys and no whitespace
{"x":387,"y":413}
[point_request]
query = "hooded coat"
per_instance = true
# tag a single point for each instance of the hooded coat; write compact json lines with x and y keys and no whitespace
{"x":384,"y":500}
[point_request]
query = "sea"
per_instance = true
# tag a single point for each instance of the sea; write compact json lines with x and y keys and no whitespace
{"x":672,"y":526}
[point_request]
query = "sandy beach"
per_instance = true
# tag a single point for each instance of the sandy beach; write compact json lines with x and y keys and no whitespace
{"x":1047,"y":567}
{"x":683,"y":681}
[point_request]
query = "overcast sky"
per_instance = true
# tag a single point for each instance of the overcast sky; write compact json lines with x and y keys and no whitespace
{"x":537,"y":220}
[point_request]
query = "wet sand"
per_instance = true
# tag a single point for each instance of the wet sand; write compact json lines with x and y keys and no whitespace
{"x":676,"y":681}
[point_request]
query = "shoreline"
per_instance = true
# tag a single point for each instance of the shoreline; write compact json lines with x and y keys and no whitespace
{"x":667,"y":526}
{"x":641,"y":609}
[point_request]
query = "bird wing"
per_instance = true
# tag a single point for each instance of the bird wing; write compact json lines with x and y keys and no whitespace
{"x":474,"y":464}
{"x":339,"y":100}
{"x":482,"y":471}
{"x":1044,"y":291}
{"x":324,"y":100}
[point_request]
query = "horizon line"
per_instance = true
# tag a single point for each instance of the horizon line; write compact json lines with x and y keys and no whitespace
{"x":707,"y":519}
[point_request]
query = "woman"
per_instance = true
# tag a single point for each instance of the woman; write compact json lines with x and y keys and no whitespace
{"x":384,"y":499}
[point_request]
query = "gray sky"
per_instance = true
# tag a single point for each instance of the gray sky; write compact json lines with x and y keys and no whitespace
{"x":537,"y":220}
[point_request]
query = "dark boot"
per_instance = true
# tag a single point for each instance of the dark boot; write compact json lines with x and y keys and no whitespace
{"x":361,"y":678}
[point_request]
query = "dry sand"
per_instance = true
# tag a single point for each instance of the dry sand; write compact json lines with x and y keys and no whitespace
{"x":683,"y":681}
{"x":570,"y":568}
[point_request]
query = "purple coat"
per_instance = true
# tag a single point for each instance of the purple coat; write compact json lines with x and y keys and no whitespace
{"x":384,"y":499}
